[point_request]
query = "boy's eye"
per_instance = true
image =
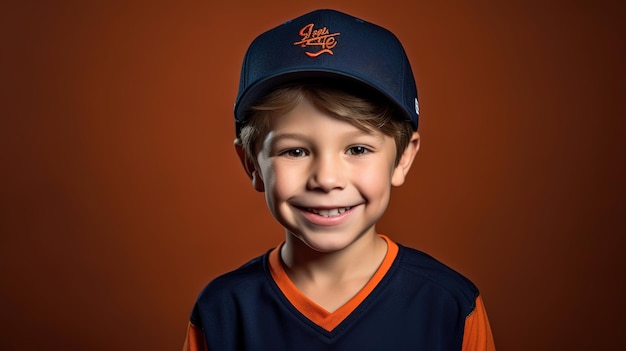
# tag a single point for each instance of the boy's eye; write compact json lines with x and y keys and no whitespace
{"x":358,"y":150}
{"x":296,"y":152}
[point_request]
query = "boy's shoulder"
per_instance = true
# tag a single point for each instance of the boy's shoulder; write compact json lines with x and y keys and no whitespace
{"x":423,"y":268}
{"x":243,"y":283}
{"x":242,"y":279}
{"x":222,"y":295}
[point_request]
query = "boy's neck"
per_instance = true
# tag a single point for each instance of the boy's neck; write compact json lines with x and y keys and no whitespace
{"x":331,"y":279}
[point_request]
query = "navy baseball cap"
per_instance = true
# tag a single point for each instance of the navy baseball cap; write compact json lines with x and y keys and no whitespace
{"x":328,"y":44}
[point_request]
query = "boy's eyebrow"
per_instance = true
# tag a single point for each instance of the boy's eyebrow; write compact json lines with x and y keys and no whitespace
{"x":274,"y":138}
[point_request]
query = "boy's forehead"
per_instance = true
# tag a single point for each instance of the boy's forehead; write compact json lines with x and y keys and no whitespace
{"x":327,"y":44}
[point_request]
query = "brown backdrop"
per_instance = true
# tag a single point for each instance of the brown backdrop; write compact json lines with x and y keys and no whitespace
{"x":121,"y":195}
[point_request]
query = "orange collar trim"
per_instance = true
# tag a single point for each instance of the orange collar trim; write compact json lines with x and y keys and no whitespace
{"x":316,"y":313}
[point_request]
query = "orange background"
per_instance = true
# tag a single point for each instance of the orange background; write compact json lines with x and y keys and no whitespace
{"x":121,"y":195}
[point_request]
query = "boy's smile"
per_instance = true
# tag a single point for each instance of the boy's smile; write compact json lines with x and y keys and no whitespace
{"x":327,"y":217}
{"x":325,"y":180}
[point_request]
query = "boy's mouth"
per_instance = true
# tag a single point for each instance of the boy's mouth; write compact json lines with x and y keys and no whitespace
{"x":329,"y":212}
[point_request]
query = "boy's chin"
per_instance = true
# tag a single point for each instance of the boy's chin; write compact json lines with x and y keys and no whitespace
{"x":326,"y":243}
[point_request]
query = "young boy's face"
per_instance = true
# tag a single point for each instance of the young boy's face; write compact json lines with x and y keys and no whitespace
{"x":326,"y":181}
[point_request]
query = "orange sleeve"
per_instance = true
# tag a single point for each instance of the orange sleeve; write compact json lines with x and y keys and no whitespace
{"x":477,"y":335}
{"x":194,"y":341}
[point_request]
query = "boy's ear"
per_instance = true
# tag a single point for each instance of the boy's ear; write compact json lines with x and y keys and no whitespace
{"x":406,"y":160}
{"x":249,"y":167}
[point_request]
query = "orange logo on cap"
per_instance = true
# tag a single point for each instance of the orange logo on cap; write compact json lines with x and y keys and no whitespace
{"x":317,"y":37}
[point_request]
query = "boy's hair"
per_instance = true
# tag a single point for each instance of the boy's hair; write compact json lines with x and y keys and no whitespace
{"x":366,"y":112}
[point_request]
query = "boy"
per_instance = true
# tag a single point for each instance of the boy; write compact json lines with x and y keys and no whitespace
{"x":326,"y":122}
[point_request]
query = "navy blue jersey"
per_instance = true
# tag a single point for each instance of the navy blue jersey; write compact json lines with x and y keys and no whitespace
{"x":415,"y":303}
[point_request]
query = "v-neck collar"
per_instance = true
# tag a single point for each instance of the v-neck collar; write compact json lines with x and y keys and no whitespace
{"x":316,"y":313}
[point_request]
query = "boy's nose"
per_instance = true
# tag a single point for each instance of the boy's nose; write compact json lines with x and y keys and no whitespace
{"x":327,"y":174}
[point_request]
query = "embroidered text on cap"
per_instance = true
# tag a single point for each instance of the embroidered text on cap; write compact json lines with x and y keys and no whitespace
{"x":317,"y":37}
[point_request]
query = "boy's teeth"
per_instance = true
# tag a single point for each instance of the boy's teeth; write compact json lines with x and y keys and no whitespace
{"x":330,"y":213}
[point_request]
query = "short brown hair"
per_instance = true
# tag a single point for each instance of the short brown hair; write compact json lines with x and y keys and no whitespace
{"x":365,"y":111}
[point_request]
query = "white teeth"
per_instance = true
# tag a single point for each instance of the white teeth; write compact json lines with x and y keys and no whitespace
{"x":330,"y":213}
